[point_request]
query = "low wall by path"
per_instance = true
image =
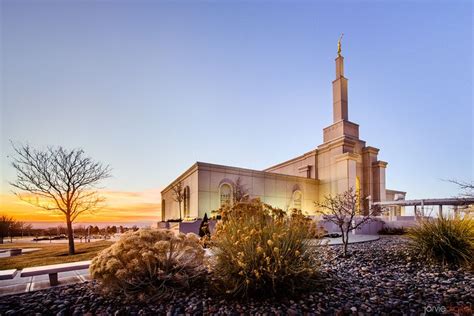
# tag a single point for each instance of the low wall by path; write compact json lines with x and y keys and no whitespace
{"x":372,"y":227}
{"x":399,"y":224}
{"x":190,"y":227}
{"x":163,"y":225}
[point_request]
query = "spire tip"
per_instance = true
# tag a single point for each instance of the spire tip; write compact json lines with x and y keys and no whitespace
{"x":339,"y":45}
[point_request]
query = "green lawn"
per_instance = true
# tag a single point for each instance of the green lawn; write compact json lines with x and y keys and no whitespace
{"x":50,"y":254}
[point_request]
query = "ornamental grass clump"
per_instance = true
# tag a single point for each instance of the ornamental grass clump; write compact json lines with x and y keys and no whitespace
{"x":150,"y":263}
{"x":260,"y":250}
{"x":444,"y":240}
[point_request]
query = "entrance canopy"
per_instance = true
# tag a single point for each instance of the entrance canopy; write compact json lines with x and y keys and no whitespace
{"x":425,"y":202}
{"x":460,"y":203}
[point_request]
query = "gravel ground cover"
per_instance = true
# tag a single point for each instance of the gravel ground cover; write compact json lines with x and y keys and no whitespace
{"x":380,"y":278}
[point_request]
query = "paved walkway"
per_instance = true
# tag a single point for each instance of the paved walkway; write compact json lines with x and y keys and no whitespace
{"x":28,"y":284}
{"x":353,"y":239}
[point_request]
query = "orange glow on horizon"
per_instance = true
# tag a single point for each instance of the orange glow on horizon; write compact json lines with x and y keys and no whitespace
{"x":120,"y":206}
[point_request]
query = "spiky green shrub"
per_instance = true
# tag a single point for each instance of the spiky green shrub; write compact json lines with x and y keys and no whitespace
{"x":150,"y":262}
{"x":444,"y":240}
{"x":260,"y":250}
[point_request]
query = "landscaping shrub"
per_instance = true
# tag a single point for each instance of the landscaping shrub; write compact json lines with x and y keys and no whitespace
{"x":150,"y":263}
{"x":260,"y":250}
{"x":446,"y":241}
{"x":204,"y":228}
{"x":392,"y":231}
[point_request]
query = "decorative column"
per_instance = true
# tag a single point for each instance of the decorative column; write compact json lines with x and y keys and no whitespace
{"x":378,"y":175}
{"x":369,"y":156}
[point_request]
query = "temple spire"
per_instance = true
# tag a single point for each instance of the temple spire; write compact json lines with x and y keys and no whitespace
{"x":339,"y":89}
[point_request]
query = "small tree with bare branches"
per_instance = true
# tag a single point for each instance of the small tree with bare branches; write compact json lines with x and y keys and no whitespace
{"x":179,"y":195}
{"x":342,"y":210}
{"x":240,"y":192}
{"x":466,"y":187}
{"x":59,"y":180}
{"x":6,"y":222}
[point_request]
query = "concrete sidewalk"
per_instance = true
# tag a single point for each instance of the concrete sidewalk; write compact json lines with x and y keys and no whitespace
{"x":28,"y":284}
{"x":353,"y":239}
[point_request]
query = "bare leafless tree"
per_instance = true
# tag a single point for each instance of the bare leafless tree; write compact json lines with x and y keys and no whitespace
{"x":466,"y":187}
{"x":179,"y":195}
{"x":344,"y":211}
{"x":240,"y":192}
{"x":6,"y":222}
{"x":59,"y":180}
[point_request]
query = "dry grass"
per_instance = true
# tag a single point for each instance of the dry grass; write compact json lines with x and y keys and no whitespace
{"x":50,"y":254}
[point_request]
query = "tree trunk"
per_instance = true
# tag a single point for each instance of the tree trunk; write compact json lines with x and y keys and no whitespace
{"x":70,"y":235}
{"x":346,"y":243}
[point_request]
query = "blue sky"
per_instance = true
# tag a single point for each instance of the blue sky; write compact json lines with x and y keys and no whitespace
{"x":150,"y":87}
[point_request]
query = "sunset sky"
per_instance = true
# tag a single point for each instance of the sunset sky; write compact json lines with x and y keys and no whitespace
{"x":150,"y":87}
{"x":122,"y":207}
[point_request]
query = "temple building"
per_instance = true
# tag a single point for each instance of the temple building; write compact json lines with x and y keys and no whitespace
{"x":341,"y":162}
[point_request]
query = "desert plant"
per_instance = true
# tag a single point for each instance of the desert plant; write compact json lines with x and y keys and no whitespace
{"x":444,"y":240}
{"x":150,"y":262}
{"x":261,"y":250}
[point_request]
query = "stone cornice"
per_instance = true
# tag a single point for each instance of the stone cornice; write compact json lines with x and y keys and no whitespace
{"x":235,"y":170}
{"x":189,"y":171}
{"x":395,"y":191}
{"x":287,"y":162}
{"x":370,"y":149}
{"x":251,"y":172}
{"x":340,"y":141}
{"x":341,"y":122}
{"x":349,"y":156}
{"x":380,"y":163}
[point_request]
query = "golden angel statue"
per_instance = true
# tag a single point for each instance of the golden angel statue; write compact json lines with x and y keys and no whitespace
{"x":339,"y":45}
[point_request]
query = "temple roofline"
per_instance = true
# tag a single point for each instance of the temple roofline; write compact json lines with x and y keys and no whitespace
{"x":241,"y":171}
{"x":289,"y":161}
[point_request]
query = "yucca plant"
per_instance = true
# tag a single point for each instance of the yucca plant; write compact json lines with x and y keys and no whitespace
{"x":444,"y":240}
{"x":260,"y":250}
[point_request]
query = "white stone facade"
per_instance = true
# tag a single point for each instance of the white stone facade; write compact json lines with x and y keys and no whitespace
{"x":208,"y":182}
{"x":341,"y":162}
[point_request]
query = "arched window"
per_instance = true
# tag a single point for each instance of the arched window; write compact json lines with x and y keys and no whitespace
{"x":297,"y":199}
{"x":187,"y":200}
{"x":225,"y":193}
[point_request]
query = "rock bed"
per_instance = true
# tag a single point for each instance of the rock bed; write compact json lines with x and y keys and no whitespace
{"x":378,"y":278}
